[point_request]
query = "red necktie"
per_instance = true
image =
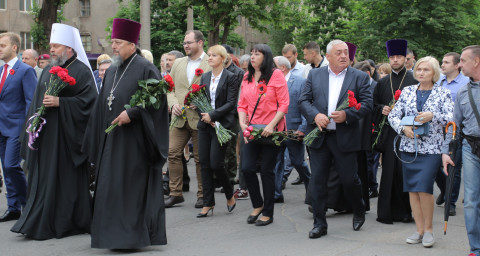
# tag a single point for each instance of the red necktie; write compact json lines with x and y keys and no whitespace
{"x":4,"y":76}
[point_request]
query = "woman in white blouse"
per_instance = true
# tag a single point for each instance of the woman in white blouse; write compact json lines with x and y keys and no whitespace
{"x":222,"y":93}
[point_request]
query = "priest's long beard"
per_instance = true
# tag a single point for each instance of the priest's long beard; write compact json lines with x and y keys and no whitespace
{"x":60,"y":60}
{"x":117,"y":60}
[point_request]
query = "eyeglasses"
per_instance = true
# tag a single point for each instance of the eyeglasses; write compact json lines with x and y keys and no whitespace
{"x":189,"y":42}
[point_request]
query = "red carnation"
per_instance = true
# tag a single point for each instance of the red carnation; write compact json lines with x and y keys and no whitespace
{"x":198,"y":72}
{"x":71,"y":80}
{"x":397,"y":94}
{"x":185,"y":102}
{"x":352,"y":102}
{"x":55,"y":70}
{"x":12,"y":72}
{"x":351,"y":94}
{"x":358,"y":106}
{"x":169,"y":80}
{"x":195,"y":88}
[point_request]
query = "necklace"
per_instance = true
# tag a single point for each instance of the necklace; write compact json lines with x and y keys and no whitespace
{"x":400,"y":86}
{"x":110,"y":97}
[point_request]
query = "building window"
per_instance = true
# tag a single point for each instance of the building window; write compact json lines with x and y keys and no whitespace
{"x":26,"y":5}
{"x":84,"y":8}
{"x":27,"y":42}
{"x":3,"y":4}
{"x":87,"y":42}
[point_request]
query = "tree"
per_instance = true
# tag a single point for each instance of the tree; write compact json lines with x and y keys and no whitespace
{"x":44,"y":17}
{"x":326,"y":20}
{"x":431,"y":27}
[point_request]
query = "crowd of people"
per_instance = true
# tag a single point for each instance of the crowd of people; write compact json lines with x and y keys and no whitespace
{"x":396,"y":114}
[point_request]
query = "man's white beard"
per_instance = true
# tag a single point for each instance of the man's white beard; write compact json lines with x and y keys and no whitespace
{"x":117,"y":60}
{"x":60,"y":60}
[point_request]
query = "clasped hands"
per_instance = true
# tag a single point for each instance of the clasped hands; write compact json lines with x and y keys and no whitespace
{"x":321,"y":120}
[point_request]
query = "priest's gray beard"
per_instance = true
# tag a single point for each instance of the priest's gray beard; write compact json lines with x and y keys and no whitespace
{"x":117,"y":60}
{"x":59,"y":60}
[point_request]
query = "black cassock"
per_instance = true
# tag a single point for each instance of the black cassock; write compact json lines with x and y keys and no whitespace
{"x":59,"y":202}
{"x":128,"y":207}
{"x":393,"y":203}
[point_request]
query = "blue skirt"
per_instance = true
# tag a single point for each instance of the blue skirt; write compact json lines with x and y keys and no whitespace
{"x":419,"y":176}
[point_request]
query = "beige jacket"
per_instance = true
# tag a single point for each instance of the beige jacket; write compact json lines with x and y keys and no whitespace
{"x":177,"y":96}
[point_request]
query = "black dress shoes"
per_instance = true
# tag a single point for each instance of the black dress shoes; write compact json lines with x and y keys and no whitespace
{"x":317,"y":232}
{"x":252,"y":218}
{"x":358,"y":221}
{"x":298,"y":181}
{"x":440,"y":199}
{"x":264,"y":222}
{"x":199,"y":203}
{"x":373,"y":194}
{"x":8,"y":216}
{"x":279,"y":200}
{"x":173,"y":200}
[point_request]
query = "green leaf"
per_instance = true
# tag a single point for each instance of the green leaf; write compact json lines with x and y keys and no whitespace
{"x":153,"y":100}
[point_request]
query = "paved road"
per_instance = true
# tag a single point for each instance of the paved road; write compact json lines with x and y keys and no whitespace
{"x":228,"y":234}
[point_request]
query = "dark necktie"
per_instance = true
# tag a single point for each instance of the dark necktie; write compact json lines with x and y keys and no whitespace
{"x":4,"y":76}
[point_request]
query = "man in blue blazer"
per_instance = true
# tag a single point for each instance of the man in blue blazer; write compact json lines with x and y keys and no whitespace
{"x":325,"y":89}
{"x":17,"y":85}
{"x":295,"y":121}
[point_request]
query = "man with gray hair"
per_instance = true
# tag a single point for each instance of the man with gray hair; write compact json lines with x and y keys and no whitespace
{"x":171,"y":57}
{"x":244,"y":60}
{"x":30,"y":57}
{"x":295,"y":121}
{"x":340,"y":137}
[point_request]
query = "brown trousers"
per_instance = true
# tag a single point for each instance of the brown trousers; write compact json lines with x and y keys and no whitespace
{"x":178,"y":139}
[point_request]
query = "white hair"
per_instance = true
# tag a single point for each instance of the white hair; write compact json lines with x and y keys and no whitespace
{"x":282,"y":61}
{"x":332,"y":43}
{"x":244,"y":58}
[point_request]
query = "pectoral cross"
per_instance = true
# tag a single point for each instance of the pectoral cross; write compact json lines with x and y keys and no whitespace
{"x":110,"y":99}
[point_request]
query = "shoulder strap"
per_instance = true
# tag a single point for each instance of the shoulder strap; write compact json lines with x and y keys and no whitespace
{"x":254,"y":109}
{"x":472,"y":103}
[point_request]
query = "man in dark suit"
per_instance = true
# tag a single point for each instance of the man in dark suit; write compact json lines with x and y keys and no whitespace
{"x":17,"y":85}
{"x":295,"y":121}
{"x":340,"y":138}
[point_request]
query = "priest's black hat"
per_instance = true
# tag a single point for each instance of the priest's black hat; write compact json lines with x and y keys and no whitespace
{"x":397,"y":47}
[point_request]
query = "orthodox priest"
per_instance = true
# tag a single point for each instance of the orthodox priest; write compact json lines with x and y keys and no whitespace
{"x":393,"y":203}
{"x":128,"y":209}
{"x":58,"y":199}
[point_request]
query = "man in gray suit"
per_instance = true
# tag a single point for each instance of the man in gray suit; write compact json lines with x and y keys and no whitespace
{"x":295,"y":121}
{"x":340,"y":138}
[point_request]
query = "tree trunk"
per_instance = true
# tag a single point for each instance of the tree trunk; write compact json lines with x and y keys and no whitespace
{"x":47,"y":16}
{"x":226,"y":31}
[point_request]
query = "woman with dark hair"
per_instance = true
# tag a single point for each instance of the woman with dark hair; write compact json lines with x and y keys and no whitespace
{"x":222,"y":91}
{"x":264,"y":99}
{"x":373,"y":70}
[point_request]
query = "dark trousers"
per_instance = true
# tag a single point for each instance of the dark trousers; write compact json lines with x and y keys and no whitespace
{"x":231,"y":164}
{"x":250,"y":154}
{"x":296,"y":152}
{"x":212,"y":161}
{"x":441,"y":179}
{"x":373,"y":158}
{"x":15,"y":181}
{"x":346,"y":166}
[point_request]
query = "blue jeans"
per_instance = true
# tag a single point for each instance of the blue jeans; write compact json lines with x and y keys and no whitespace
{"x":296,"y":152}
{"x":471,"y":172}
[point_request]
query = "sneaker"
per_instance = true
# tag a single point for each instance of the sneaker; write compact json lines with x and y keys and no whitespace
{"x":241,"y":194}
{"x":428,"y":240}
{"x":414,"y":239}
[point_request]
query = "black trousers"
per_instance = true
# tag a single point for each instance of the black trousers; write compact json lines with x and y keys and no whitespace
{"x":251,"y":152}
{"x":347,"y":169}
{"x":212,"y":161}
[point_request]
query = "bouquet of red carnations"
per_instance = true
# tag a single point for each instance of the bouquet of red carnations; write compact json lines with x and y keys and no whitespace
{"x":349,"y":102}
{"x":148,"y":95}
{"x":58,"y":80}
{"x":382,"y":123}
{"x":198,"y":97}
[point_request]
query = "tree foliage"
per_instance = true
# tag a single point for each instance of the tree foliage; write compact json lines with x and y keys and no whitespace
{"x":431,"y":27}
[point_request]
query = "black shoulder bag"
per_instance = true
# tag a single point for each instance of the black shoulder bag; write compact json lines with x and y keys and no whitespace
{"x":473,"y":141}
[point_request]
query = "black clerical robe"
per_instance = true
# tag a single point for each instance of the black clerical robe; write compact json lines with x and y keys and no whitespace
{"x":58,"y":199}
{"x":128,"y":202}
{"x":393,"y":203}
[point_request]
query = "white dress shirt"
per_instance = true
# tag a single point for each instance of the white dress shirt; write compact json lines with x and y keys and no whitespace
{"x":287,"y":76}
{"x":335,"y":83}
{"x":10,"y":66}
{"x":191,"y":66}
{"x":213,"y":88}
